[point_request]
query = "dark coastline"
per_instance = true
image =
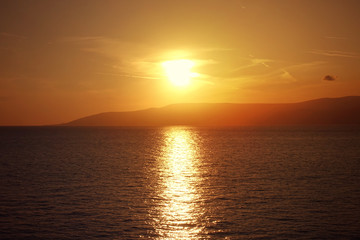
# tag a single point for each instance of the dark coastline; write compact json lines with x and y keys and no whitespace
{"x":327,"y":111}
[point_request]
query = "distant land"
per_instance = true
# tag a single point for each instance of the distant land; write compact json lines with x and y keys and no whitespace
{"x":324,"y":111}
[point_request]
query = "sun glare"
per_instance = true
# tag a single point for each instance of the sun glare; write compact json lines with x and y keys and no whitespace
{"x":179,"y":71}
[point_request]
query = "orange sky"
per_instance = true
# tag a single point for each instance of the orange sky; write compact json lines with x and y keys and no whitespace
{"x":61,"y":60}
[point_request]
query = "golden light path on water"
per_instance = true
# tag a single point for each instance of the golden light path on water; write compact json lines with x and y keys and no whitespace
{"x":179,"y":210}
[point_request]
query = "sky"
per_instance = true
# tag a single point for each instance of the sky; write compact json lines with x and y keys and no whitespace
{"x":62,"y":60}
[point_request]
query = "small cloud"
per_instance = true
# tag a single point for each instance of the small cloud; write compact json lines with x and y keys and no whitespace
{"x":329,"y":78}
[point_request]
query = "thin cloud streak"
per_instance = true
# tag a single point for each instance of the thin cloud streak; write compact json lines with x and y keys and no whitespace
{"x":75,"y":39}
{"x":329,"y":53}
{"x":128,"y":75}
{"x":283,"y":72}
{"x":11,"y":35}
{"x":308,"y":65}
{"x":253,"y":62}
{"x":278,"y":76}
{"x":338,"y":38}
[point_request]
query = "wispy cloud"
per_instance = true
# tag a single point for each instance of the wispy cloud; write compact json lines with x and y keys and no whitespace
{"x":335,"y":37}
{"x":288,"y":76}
{"x":11,"y":35}
{"x":74,"y":39}
{"x":280,"y":74}
{"x":124,"y":59}
{"x":215,"y":49}
{"x":261,"y":61}
{"x":330,"y":53}
{"x":137,"y":60}
{"x":306,"y":65}
{"x":253,"y":62}
{"x":127,"y":75}
{"x":276,"y":76}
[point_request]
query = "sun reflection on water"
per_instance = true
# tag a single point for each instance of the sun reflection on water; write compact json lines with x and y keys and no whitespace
{"x":179,"y":210}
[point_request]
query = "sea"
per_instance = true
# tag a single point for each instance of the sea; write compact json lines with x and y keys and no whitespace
{"x":181,"y":182}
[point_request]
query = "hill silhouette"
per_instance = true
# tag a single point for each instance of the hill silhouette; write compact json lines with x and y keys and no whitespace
{"x":344,"y":110}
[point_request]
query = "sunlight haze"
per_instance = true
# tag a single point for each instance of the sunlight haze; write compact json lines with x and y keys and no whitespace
{"x":179,"y":71}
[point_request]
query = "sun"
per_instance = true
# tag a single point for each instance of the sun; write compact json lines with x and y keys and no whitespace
{"x":179,"y":71}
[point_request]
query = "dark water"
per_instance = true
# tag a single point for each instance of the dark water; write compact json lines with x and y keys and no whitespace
{"x":179,"y":183}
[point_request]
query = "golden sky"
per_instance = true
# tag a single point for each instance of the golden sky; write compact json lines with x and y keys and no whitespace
{"x":61,"y":60}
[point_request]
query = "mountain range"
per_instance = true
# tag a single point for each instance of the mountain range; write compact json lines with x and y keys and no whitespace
{"x":344,"y":110}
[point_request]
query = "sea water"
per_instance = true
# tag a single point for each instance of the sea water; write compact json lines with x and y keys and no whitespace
{"x":180,"y":183}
